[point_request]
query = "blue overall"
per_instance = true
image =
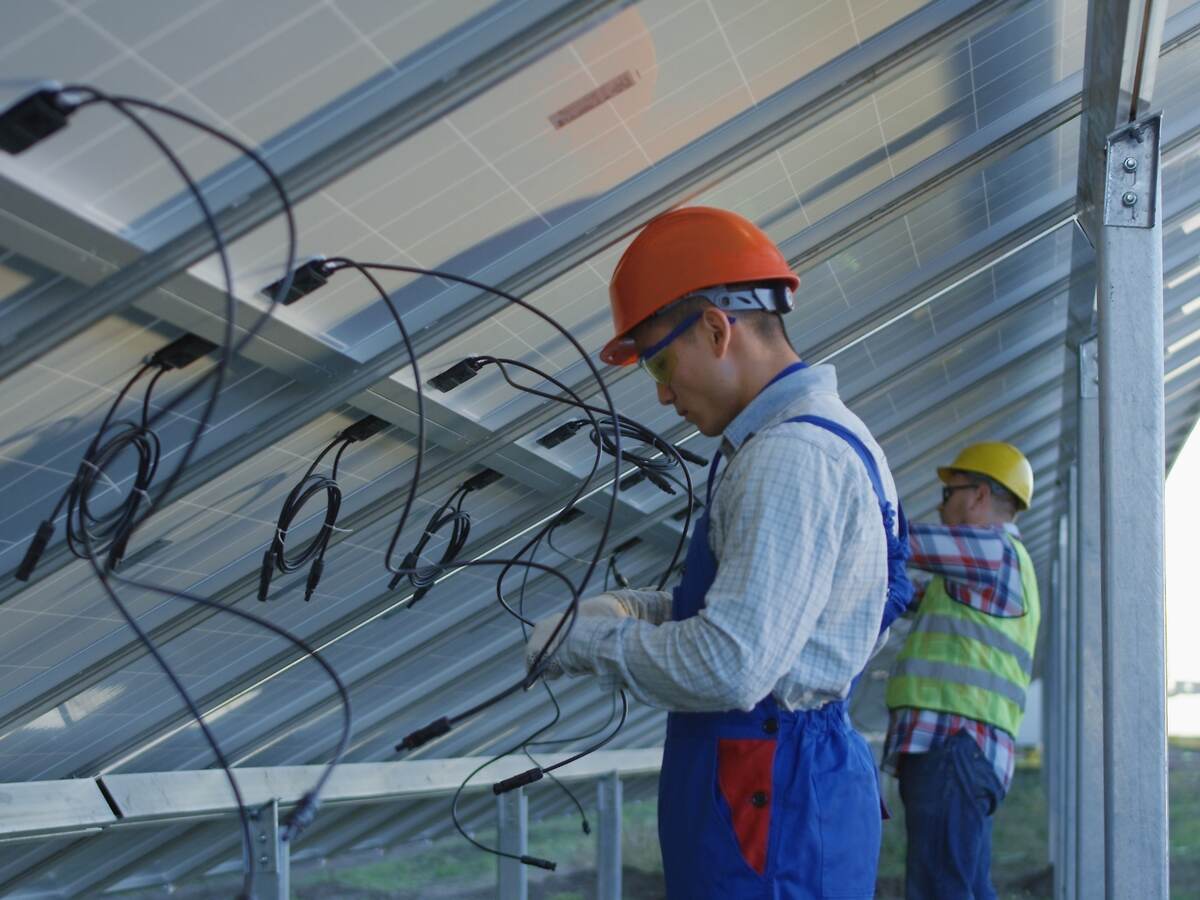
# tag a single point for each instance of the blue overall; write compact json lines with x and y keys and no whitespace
{"x":769,"y":803}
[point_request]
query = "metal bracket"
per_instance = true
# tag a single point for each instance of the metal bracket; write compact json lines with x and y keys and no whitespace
{"x":272,"y":861}
{"x":1130,"y":173}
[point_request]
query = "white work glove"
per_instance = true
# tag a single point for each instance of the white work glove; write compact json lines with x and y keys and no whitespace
{"x":600,"y":605}
{"x":538,"y":639}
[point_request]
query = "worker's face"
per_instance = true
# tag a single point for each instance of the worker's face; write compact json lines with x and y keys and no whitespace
{"x":691,"y":370}
{"x":964,"y":502}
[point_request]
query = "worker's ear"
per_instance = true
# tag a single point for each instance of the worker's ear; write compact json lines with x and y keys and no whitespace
{"x":717,"y":331}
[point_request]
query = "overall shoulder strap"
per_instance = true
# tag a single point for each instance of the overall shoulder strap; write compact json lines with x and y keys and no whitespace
{"x":857,"y":445}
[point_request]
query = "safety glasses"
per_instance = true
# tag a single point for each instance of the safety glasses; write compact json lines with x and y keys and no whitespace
{"x":949,"y":489}
{"x":657,"y":359}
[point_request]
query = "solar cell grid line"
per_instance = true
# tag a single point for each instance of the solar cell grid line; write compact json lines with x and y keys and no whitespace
{"x":881,"y":57}
{"x":996,"y":416}
{"x":1004,"y":238}
{"x":1031,"y":349}
{"x":523,"y":33}
{"x":900,"y":195}
{"x":1,"y":588}
{"x":1007,"y":309}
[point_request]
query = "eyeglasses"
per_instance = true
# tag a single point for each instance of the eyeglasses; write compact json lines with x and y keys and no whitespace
{"x":658,"y":363}
{"x":949,"y":489}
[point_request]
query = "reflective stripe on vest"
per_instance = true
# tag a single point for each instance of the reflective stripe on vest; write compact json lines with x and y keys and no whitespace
{"x":923,"y":668}
{"x":937,"y":623}
{"x":960,"y":660}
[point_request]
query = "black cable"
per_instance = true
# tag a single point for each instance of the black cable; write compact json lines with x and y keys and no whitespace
{"x":304,"y":812}
{"x":127,"y":524}
{"x":106,"y":533}
{"x":452,"y":514}
{"x":103,"y":572}
{"x":276,"y":557}
{"x":444,"y":724}
{"x":607,"y":433}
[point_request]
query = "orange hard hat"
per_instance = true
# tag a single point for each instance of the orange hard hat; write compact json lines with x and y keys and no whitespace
{"x":681,"y":251}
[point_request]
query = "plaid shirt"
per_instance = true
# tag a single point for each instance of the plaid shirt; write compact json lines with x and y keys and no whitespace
{"x":979,"y":567}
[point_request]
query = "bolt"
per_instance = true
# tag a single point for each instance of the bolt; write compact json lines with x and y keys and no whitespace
{"x":264,"y":859}
{"x":1130,"y":164}
{"x":1129,"y":198}
{"x":262,"y":837}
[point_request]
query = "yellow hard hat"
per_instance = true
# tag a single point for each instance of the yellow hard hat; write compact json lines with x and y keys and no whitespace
{"x":1001,"y":462}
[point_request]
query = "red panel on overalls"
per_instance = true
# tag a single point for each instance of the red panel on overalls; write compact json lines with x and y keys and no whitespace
{"x":744,"y":769}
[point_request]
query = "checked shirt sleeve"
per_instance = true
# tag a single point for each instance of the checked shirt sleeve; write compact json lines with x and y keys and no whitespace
{"x":979,"y":565}
{"x":787,"y":508}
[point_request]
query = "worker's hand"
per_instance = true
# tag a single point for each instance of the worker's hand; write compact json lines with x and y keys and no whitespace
{"x":538,"y":640}
{"x":604,"y":605}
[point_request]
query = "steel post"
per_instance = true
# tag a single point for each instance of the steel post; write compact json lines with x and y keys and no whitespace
{"x":1132,"y":450}
{"x":608,"y":838}
{"x":512,"y":832}
{"x":1089,"y":646}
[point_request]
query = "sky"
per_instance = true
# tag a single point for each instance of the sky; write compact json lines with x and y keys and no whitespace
{"x":1182,"y":578}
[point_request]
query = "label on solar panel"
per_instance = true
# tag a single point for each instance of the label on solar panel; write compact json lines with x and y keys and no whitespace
{"x":594,"y":98}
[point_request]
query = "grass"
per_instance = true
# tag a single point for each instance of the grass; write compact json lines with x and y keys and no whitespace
{"x":449,"y":868}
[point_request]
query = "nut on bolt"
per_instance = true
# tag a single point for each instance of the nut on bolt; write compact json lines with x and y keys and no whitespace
{"x":1130,"y":164}
{"x":1129,"y":198}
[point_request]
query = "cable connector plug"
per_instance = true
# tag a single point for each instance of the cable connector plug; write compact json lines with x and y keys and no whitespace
{"x":661,"y":483}
{"x":567,"y":516}
{"x":314,"y":578}
{"x":181,"y":352}
{"x":481,"y":480}
{"x":301,"y":817}
{"x":626,"y":545}
{"x":306,"y":279}
{"x":562,"y":433}
{"x":264,"y":576}
{"x":688,"y":456}
{"x":365,"y":428}
{"x":517,"y":781}
{"x":33,"y":118}
{"x":455,"y":375}
{"x":547,"y":864}
{"x":421,"y":736}
{"x":33,"y":553}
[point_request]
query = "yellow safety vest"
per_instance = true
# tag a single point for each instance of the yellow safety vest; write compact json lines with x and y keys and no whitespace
{"x":959,"y":660}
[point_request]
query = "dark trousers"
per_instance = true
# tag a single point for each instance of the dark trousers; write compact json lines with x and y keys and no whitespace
{"x":949,"y":796}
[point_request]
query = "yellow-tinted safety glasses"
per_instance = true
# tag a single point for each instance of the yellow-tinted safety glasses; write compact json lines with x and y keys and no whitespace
{"x":658,"y":362}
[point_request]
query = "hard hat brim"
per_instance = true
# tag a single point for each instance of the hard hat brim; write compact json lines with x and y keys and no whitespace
{"x":620,"y":351}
